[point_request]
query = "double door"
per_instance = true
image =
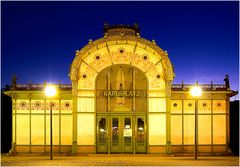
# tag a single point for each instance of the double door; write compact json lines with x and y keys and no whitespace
{"x":121,"y":134}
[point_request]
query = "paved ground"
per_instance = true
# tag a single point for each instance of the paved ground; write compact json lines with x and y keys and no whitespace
{"x":116,"y":160}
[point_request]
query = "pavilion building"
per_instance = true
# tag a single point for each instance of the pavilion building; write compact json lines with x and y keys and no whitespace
{"x":121,"y":100}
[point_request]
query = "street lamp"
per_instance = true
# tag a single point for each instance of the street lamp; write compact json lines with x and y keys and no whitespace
{"x":196,"y":92}
{"x":50,"y":91}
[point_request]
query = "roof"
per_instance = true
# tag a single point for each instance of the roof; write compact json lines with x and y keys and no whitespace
{"x":174,"y":87}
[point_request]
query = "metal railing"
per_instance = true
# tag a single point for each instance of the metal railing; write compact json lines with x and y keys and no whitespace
{"x":173,"y":86}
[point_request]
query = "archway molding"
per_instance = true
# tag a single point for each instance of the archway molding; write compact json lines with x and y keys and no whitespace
{"x":128,"y":50}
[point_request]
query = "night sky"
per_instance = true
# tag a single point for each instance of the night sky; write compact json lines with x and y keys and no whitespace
{"x":39,"y":39}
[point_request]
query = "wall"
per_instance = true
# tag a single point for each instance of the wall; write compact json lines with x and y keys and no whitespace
{"x":31,"y":122}
{"x":212,"y":124}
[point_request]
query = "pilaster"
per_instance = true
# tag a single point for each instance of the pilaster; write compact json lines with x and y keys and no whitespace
{"x":14,"y":109}
{"x":74,"y":116}
{"x":168,"y":116}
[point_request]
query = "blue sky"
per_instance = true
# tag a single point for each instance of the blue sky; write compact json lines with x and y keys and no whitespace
{"x":39,"y":39}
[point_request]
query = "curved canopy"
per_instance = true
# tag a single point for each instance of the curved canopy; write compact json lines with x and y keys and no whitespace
{"x":122,"y":45}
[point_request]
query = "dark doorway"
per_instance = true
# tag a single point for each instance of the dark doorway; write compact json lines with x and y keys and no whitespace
{"x":6,"y":122}
{"x":234,"y":126}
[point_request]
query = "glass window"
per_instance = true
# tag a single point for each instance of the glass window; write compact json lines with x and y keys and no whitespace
{"x":140,"y":131}
{"x":127,"y":132}
{"x":102,"y":131}
{"x":121,"y":88}
{"x":115,"y":131}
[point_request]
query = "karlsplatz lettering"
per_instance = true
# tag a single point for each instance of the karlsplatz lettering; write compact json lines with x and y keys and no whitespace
{"x":122,"y":93}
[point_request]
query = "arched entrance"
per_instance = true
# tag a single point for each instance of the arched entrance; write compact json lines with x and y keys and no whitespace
{"x":121,"y":108}
{"x":121,"y":49}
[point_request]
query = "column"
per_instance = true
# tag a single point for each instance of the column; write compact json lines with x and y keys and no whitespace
{"x":14,"y":111}
{"x":30,"y":122}
{"x":168,"y":116}
{"x":74,"y":114}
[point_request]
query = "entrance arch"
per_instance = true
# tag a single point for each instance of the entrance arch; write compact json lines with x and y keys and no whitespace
{"x":121,"y":110}
{"x":120,"y":49}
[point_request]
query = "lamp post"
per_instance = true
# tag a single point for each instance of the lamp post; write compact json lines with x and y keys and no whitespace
{"x":196,"y":92}
{"x":50,"y":91}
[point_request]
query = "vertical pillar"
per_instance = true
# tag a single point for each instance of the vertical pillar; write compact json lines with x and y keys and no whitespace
{"x":108,"y":88}
{"x":60,"y":129}
{"x":45,"y":125}
{"x":59,"y":116}
{"x":133,"y":87}
{"x":182,"y":125}
{"x":74,"y":116}
{"x":108,"y":108}
{"x":30,"y":122}
{"x":196,"y":130}
{"x":45,"y":119}
{"x":168,"y":116}
{"x":228,"y":149}
{"x":211,"y":123}
{"x":14,"y":111}
{"x":134,"y":122}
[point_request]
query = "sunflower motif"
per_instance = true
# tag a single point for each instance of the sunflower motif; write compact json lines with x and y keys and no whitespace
{"x":23,"y":105}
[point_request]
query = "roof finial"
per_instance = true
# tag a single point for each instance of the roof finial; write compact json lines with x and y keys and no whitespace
{"x":14,"y":81}
{"x":226,"y":80}
{"x":121,"y":29}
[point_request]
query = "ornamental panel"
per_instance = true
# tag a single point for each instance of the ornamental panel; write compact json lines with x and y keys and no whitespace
{"x":189,"y":106}
{"x":22,"y":105}
{"x":144,"y":60}
{"x":66,"y":105}
{"x":37,"y":104}
{"x":176,"y":106}
{"x":121,"y":54}
{"x":156,"y":77}
{"x":219,"y":106}
{"x":55,"y":106}
{"x":204,"y":106}
{"x":87,"y":77}
{"x":99,"y":59}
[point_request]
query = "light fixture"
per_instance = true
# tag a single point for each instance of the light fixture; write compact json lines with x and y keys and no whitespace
{"x":50,"y":91}
{"x":196,"y":91}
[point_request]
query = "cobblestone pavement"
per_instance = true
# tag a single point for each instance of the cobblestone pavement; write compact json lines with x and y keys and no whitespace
{"x":116,"y":160}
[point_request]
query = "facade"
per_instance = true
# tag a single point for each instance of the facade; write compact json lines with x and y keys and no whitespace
{"x":121,"y":100}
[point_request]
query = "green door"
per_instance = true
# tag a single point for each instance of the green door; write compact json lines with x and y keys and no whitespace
{"x":102,"y":135}
{"x":141,"y":135}
{"x":121,"y":134}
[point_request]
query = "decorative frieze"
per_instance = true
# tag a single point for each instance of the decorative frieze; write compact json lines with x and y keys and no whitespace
{"x":40,"y":105}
